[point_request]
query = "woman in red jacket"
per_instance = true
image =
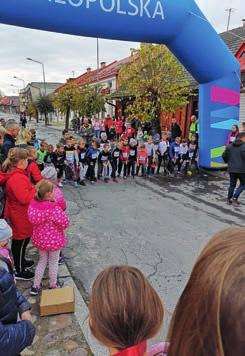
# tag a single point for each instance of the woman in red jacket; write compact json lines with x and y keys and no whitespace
{"x":19,"y":193}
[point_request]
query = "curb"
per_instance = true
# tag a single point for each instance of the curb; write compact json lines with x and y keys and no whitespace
{"x":82,"y":314}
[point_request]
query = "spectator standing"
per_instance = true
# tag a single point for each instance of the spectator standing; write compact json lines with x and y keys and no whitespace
{"x":108,"y":122}
{"x":175,"y":130}
{"x":19,"y":193}
{"x":193,"y":127}
{"x":97,"y":128}
{"x":119,"y":127}
{"x":12,"y":130}
{"x":232,"y":135}
{"x":65,"y":137}
{"x":87,"y":131}
{"x":234,"y":156}
{"x":14,"y":335}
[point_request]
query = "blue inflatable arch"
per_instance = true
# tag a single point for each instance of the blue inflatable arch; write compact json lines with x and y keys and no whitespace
{"x":179,"y":24}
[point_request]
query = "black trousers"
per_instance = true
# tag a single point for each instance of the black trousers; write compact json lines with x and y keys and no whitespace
{"x":233,"y":192}
{"x":163,"y":159}
{"x":91,"y":171}
{"x":131,"y":167}
{"x":122,"y":164}
{"x":19,"y":251}
{"x":142,"y":166}
{"x":114,"y":168}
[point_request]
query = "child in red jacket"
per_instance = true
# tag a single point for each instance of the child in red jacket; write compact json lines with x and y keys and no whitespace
{"x":142,"y":157}
{"x":32,"y":169}
{"x":123,"y":159}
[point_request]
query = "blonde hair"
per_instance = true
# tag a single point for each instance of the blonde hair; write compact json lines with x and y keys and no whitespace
{"x":42,"y":188}
{"x":15,"y":155}
{"x":209,"y":319}
{"x":24,"y":136}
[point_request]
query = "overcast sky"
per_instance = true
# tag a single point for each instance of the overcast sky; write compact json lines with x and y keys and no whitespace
{"x":63,"y":54}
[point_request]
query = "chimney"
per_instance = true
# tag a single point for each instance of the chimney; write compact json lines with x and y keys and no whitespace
{"x":89,"y":69}
{"x":243,"y":22}
{"x":103,"y":64}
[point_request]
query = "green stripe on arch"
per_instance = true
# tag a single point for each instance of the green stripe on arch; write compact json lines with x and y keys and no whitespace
{"x":217,"y":152}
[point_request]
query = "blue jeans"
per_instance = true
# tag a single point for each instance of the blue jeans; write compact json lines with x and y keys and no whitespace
{"x":97,"y":133}
{"x":234,"y":177}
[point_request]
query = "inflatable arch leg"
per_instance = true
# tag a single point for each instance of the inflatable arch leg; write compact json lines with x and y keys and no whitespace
{"x":179,"y":24}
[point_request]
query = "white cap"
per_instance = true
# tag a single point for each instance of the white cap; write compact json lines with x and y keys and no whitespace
{"x":5,"y":230}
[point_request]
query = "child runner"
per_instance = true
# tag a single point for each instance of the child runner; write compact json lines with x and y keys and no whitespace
{"x":81,"y":152}
{"x":123,"y":159}
{"x":115,"y":160}
{"x":119,"y":319}
{"x":41,"y":153}
{"x":59,"y":163}
{"x":150,"y":149}
{"x":142,"y":157}
{"x":183,"y":154}
{"x":163,"y":153}
{"x":175,"y":154}
{"x":132,"y":159}
{"x":91,"y":156}
{"x":49,"y":158}
{"x":192,"y":155}
{"x":49,"y":222}
{"x":71,"y":160}
{"x":104,"y":161}
{"x":32,"y":169}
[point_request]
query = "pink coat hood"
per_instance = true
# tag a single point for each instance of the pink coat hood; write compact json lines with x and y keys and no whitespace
{"x":49,"y":222}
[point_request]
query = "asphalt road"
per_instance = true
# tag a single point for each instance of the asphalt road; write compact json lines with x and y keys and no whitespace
{"x":159,"y":225}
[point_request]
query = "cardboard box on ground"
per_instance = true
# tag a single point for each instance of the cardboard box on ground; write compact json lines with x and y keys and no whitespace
{"x":57,"y":301}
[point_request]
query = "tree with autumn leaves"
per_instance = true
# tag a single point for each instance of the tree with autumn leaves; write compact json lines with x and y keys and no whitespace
{"x":156,"y":81}
{"x":83,"y":101}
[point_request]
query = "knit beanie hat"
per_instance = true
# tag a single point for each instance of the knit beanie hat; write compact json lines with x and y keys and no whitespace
{"x":50,"y":174}
{"x":5,"y":230}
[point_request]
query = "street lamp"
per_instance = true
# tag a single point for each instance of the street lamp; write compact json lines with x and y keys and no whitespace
{"x":44,"y":81}
{"x":22,"y":80}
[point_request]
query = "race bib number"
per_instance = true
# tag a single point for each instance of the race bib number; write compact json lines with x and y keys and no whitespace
{"x":94,"y":155}
{"x":104,"y":158}
{"x":83,"y":155}
{"x":132,"y":153}
{"x":116,"y":154}
{"x":233,"y":139}
{"x":125,"y":155}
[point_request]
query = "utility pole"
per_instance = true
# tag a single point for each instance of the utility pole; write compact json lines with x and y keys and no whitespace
{"x":230,"y":11}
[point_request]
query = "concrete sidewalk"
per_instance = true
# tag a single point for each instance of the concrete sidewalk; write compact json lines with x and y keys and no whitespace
{"x":60,"y":335}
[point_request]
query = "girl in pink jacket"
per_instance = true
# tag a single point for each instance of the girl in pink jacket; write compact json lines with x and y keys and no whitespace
{"x":49,"y":222}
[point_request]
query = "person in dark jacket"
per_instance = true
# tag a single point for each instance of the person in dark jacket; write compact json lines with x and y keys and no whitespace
{"x":12,"y":129}
{"x":234,"y":156}
{"x":86,"y":131}
{"x":14,"y":336}
{"x":175,"y":130}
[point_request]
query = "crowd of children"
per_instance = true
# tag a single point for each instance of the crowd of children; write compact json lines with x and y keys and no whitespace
{"x":111,"y":159}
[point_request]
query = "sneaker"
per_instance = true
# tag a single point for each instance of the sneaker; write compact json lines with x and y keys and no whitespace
{"x":106,"y":180}
{"x":59,"y":284}
{"x":75,"y":184}
{"x":229,"y":202}
{"x":235,"y":202}
{"x":28,"y":264}
{"x":124,"y":177}
{"x":64,"y":181}
{"x":24,"y":276}
{"x":115,"y":180}
{"x":82,"y":183}
{"x":60,"y":185}
{"x":35,"y":291}
{"x":61,"y":260}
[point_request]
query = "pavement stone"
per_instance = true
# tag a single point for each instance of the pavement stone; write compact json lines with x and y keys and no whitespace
{"x":55,"y":335}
